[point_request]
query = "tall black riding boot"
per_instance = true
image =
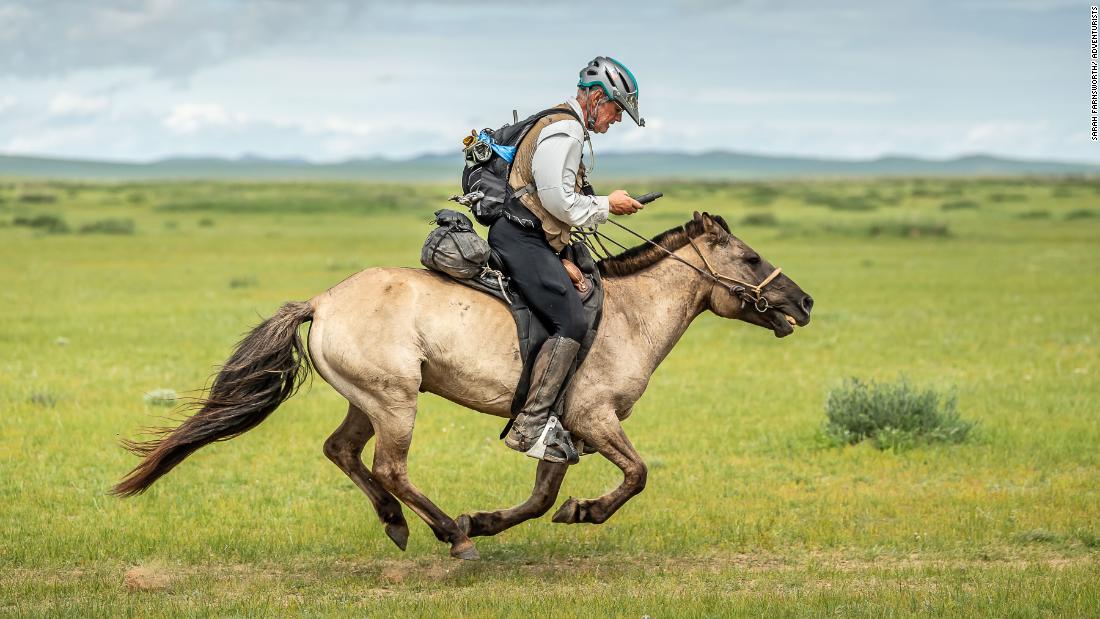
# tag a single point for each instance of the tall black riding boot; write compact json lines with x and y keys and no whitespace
{"x":534,"y":429}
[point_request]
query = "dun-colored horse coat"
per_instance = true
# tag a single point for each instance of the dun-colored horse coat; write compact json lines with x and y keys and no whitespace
{"x":384,"y":335}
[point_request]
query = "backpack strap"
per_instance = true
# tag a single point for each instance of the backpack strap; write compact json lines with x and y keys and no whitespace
{"x":513,"y":208}
{"x":553,"y":110}
{"x":526,"y":189}
{"x":529,"y":123}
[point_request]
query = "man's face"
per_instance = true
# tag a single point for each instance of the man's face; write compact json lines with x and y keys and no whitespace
{"x":607,"y":113}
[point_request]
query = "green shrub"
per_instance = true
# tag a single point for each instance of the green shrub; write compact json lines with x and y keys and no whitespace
{"x":1008,"y":197}
{"x":761,"y":195}
{"x":958,"y":205}
{"x":1082,"y":213}
{"x":855,"y":203}
{"x":161,"y":397}
{"x":897,"y":228}
{"x":108,"y":226}
{"x":43,"y":397}
{"x":908,"y":229}
{"x":1034,"y":215}
{"x":246,"y":281}
{"x":892,"y":416}
{"x":841,"y":203}
{"x":50,"y":224}
{"x":206,"y":222}
{"x":759,"y":219}
{"x":946,"y":192}
{"x":37,"y":198}
{"x":1041,"y":536}
{"x":1087,"y":538}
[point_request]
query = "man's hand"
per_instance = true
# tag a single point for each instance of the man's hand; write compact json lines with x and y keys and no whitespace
{"x":620,"y":203}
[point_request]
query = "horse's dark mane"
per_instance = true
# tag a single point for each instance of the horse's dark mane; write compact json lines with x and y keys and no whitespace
{"x":646,"y":255}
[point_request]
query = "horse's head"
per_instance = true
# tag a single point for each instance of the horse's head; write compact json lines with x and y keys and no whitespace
{"x":748,"y":287}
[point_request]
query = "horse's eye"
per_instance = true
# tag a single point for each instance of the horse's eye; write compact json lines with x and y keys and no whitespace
{"x":753,"y":259}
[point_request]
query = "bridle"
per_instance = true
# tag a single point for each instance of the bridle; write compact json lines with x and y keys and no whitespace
{"x":748,"y":293}
{"x":752,"y":294}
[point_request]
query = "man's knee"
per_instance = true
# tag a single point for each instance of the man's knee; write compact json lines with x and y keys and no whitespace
{"x":574,"y":326}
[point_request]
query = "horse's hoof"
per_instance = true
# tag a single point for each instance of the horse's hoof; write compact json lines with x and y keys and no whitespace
{"x":568,"y":513}
{"x":399,"y":533}
{"x":465,"y":550}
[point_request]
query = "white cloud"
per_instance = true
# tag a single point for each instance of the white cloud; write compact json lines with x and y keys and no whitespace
{"x":1035,"y":6}
{"x":737,"y":96}
{"x":69,"y":104}
{"x":49,"y":140}
{"x":173,"y":37}
{"x":341,"y":126}
{"x":1004,"y":135}
{"x":191,"y":117}
{"x":652,"y":134}
{"x":351,"y":78}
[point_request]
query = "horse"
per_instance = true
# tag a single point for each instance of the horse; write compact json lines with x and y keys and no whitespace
{"x":383,"y":335}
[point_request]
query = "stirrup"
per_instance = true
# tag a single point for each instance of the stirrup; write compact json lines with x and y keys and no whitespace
{"x":554,"y":435}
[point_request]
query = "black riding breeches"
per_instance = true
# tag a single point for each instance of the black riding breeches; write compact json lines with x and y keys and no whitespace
{"x":537,"y":272}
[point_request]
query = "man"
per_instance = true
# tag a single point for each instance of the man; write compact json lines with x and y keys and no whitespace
{"x":552,"y":195}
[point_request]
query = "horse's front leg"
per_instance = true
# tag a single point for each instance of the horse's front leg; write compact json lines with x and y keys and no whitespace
{"x":548,"y":478}
{"x":605,"y":433}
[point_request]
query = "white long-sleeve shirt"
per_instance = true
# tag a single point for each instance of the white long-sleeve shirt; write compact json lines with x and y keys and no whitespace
{"x":554,"y":166}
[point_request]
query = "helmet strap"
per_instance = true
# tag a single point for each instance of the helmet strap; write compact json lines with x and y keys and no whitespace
{"x":589,"y":110}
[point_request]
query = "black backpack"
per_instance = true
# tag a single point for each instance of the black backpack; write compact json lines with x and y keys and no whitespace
{"x":489,"y":158}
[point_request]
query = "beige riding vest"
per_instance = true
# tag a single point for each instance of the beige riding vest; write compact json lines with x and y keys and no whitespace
{"x":556,"y":230}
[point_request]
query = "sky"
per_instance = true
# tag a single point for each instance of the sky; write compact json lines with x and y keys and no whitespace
{"x":329,"y":80}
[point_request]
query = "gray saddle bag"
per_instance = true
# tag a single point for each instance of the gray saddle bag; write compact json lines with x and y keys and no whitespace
{"x":454,"y":247}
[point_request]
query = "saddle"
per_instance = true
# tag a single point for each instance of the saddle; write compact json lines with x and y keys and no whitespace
{"x":455,"y":250}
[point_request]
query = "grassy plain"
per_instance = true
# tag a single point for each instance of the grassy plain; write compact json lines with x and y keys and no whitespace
{"x":987,"y":287}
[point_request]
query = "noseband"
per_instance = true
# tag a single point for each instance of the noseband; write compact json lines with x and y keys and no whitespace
{"x":751,"y":294}
{"x":748,"y":293}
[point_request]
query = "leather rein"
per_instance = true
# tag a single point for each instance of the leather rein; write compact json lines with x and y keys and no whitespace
{"x":752,"y":294}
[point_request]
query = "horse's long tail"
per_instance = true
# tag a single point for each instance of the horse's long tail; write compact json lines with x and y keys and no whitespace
{"x":266,"y":368}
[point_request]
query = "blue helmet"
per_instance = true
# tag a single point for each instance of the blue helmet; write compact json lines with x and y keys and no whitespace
{"x":616,"y":81}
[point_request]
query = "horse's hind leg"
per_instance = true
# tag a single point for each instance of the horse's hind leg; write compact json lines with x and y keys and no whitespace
{"x":394,"y":425}
{"x":345,"y":449}
{"x":548,"y":480}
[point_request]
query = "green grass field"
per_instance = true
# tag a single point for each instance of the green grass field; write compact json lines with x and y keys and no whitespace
{"x":987,"y":287}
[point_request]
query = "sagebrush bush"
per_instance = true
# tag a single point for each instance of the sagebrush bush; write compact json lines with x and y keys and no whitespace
{"x":909,"y":229}
{"x":161,"y":397}
{"x":957,"y":205}
{"x":50,"y":224}
{"x":759,"y":219}
{"x":108,"y":226}
{"x":37,"y":198}
{"x":893,"y":415}
{"x":43,"y":397}
{"x":1008,"y":197}
{"x":245,"y":281}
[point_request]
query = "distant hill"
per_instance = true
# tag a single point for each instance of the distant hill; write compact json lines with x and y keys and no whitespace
{"x":710,"y":166}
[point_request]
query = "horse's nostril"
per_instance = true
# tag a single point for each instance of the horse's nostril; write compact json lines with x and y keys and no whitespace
{"x":807,"y":303}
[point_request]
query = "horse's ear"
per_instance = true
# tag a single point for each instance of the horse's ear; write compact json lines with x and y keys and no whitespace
{"x":709,"y":224}
{"x":722,"y":222}
{"x":697,"y":216}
